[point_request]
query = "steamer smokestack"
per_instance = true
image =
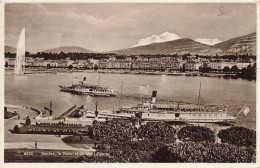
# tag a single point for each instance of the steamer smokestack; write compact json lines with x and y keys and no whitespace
{"x":153,"y":99}
{"x":51,"y":108}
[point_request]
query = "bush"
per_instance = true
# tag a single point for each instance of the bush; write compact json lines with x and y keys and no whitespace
{"x":28,"y":121}
{"x":204,"y":153}
{"x":157,"y":131}
{"x":134,"y":152}
{"x":239,"y":136}
{"x":196,"y":134}
{"x":77,"y":140}
{"x":8,"y":115}
{"x":190,"y":152}
{"x":121,"y":130}
{"x":164,"y":155}
{"x":16,"y":129}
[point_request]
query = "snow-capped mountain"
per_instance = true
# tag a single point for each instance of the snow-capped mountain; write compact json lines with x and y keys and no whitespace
{"x":157,"y":39}
{"x":242,"y":45}
{"x":179,"y":46}
{"x":208,"y":41}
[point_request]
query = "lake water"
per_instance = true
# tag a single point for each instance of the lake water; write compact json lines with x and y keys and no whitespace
{"x":38,"y":89}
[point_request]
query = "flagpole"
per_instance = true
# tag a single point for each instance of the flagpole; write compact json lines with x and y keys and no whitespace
{"x":240,"y":111}
{"x":199,"y":94}
{"x":120,"y":94}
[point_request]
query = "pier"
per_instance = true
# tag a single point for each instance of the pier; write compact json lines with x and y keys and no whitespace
{"x":66,"y":113}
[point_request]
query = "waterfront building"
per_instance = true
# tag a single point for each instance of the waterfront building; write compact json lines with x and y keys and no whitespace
{"x":170,"y":64}
{"x":54,"y":63}
{"x":227,"y":64}
{"x":75,"y":64}
{"x":124,"y":64}
{"x":241,"y":65}
{"x":81,"y":63}
{"x":214,"y":65}
{"x":102,"y":64}
{"x":40,"y":63}
{"x":138,"y":64}
{"x":63,"y":63}
{"x":111,"y":63}
{"x":155,"y":64}
{"x":89,"y":65}
{"x":10,"y":61}
{"x":94,"y":62}
{"x":192,"y":66}
{"x":69,"y":62}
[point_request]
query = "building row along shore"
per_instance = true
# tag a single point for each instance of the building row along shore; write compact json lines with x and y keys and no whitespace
{"x":191,"y":63}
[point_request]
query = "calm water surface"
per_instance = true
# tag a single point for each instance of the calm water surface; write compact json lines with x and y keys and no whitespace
{"x":38,"y":89}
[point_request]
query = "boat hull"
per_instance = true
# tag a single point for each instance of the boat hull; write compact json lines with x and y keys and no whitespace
{"x":171,"y":118}
{"x":86,"y":91}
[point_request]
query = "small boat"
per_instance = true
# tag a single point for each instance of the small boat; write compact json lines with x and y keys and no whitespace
{"x":147,"y":86}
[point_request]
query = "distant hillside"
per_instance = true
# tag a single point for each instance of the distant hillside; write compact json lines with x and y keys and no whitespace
{"x":69,"y":49}
{"x":10,"y":49}
{"x":242,"y":44}
{"x":180,"y":46}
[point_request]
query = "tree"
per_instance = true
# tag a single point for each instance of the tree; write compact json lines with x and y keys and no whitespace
{"x":249,"y":72}
{"x":238,"y":136}
{"x":196,"y":134}
{"x":164,"y":155}
{"x":28,"y":121}
{"x":95,"y":67}
{"x":234,"y":69}
{"x":27,"y":54}
{"x":226,"y":69}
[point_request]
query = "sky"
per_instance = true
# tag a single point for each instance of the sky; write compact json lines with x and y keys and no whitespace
{"x":113,"y":26}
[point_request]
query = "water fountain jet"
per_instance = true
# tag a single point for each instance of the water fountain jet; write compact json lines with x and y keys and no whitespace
{"x":20,"y":54}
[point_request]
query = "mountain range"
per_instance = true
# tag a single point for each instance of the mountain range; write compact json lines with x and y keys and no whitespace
{"x":170,"y":43}
{"x":241,"y":45}
{"x":164,"y":37}
{"x":180,"y":46}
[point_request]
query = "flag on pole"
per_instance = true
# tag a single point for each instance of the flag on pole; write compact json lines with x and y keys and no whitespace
{"x":245,"y":111}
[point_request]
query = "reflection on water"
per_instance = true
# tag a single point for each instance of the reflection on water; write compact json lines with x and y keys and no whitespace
{"x":38,"y":89}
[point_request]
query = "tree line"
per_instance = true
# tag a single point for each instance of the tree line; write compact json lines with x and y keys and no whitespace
{"x":99,"y":56}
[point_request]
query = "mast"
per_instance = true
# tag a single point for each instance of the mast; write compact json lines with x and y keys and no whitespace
{"x":199,"y":94}
{"x":96,"y":112}
{"x":120,"y":93}
{"x":50,"y":108}
{"x":50,"y":105}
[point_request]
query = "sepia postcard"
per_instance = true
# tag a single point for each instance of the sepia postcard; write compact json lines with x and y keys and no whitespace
{"x":149,"y":83}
